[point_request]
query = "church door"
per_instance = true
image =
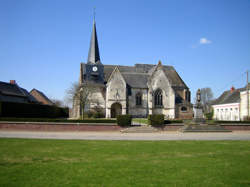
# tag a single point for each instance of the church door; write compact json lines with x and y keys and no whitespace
{"x":116,"y":109}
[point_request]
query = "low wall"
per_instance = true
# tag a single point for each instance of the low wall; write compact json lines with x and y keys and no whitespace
{"x":47,"y":126}
{"x":40,"y":126}
{"x":237,"y":127}
{"x":232,"y":127}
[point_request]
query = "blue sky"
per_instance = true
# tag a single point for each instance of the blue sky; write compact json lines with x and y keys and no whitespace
{"x":42,"y":42}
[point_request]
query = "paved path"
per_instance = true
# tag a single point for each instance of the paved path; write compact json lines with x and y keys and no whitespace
{"x":237,"y":135}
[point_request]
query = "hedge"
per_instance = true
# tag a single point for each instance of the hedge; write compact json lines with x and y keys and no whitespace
{"x":10,"y":109}
{"x":156,"y":119}
{"x":58,"y":120}
{"x":172,"y":121}
{"x":243,"y":122}
{"x":124,"y":120}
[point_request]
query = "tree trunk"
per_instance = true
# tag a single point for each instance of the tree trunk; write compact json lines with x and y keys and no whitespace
{"x":82,"y":115}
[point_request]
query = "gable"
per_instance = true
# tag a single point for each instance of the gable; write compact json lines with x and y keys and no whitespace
{"x":116,"y":86}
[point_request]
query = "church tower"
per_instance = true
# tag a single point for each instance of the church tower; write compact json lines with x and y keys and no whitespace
{"x":94,"y":68}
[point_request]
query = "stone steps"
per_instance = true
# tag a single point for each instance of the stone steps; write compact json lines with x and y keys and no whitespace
{"x":140,"y":129}
{"x":204,"y":128}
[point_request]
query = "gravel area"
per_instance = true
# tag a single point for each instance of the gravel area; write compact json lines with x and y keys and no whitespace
{"x":236,"y":135}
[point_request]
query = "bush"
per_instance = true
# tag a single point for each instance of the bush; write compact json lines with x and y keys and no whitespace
{"x":124,"y":120}
{"x":172,"y":121}
{"x":10,"y":109}
{"x":57,"y":120}
{"x":246,"y":118}
{"x":233,"y":122}
{"x":98,"y":115}
{"x":90,"y":114}
{"x":156,"y":119}
{"x":209,"y":116}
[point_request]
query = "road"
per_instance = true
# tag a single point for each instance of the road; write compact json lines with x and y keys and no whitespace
{"x":236,"y":135}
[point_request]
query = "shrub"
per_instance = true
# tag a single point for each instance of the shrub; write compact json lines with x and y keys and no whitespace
{"x":246,"y":118}
{"x":57,"y":120}
{"x":156,"y":119}
{"x":0,"y":109}
{"x":98,"y":115}
{"x":90,"y":114}
{"x":10,"y":109}
{"x":209,"y":116}
{"x":124,"y":120}
{"x":173,"y":121}
{"x":233,"y":122}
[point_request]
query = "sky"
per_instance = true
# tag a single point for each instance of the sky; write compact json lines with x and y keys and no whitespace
{"x":42,"y":42}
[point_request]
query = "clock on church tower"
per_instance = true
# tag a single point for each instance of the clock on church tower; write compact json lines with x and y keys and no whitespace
{"x":95,"y":68}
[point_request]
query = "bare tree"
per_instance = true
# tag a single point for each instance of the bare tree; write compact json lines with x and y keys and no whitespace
{"x":206,"y":98}
{"x":57,"y":102}
{"x":80,"y":94}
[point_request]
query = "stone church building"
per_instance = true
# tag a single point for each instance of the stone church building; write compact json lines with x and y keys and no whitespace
{"x":138,"y":90}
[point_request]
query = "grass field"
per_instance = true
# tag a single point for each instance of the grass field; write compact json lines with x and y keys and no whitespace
{"x":124,"y":163}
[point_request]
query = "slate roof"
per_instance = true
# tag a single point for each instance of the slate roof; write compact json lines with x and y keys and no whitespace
{"x":42,"y":95}
{"x":14,"y":91}
{"x":229,"y":97}
{"x":94,"y":56}
{"x":136,"y":80}
{"x":137,"y":76}
{"x":10,"y":89}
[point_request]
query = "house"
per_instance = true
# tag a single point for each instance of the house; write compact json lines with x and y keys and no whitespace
{"x":231,"y":105}
{"x":138,"y":90}
{"x":11,"y":92}
{"x":41,"y":97}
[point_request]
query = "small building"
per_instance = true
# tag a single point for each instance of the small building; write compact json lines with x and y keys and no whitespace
{"x":11,"y":92}
{"x":231,"y":105}
{"x":41,"y":97}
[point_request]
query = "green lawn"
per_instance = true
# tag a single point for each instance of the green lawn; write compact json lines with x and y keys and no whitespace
{"x":141,"y":120}
{"x":124,"y":163}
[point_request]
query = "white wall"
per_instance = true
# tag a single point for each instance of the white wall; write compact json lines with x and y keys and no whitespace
{"x":243,"y":104}
{"x":227,"y":112}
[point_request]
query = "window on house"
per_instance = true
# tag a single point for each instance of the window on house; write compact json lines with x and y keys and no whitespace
{"x":158,"y":97}
{"x":138,"y":98}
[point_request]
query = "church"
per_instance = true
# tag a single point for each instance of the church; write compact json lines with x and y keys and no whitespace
{"x":138,"y":90}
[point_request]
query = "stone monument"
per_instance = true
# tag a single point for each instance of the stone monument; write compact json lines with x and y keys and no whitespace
{"x":198,"y":124}
{"x":198,"y":113}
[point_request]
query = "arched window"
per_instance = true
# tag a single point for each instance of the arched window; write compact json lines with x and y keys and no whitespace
{"x":138,"y":99}
{"x":183,"y":109}
{"x":158,"y":97}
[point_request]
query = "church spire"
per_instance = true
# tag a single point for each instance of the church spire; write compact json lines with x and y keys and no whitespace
{"x":94,"y":57}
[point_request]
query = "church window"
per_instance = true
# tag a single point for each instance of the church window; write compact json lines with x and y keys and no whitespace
{"x":158,"y":97}
{"x":138,"y":98}
{"x":183,"y":109}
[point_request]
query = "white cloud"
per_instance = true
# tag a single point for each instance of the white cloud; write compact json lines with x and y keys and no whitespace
{"x":205,"y":41}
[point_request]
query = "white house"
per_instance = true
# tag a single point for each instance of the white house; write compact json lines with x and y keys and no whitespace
{"x":231,"y":105}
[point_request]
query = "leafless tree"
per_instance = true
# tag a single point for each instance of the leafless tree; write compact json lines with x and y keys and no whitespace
{"x":57,"y":102}
{"x":81,"y":94}
{"x":206,"y":98}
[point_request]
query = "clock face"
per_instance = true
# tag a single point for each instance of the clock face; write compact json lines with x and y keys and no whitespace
{"x":94,"y":69}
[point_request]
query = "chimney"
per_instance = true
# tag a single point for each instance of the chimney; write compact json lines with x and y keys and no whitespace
{"x":12,"y":82}
{"x":232,"y":89}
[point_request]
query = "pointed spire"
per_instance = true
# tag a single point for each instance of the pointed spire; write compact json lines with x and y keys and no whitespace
{"x":94,"y":57}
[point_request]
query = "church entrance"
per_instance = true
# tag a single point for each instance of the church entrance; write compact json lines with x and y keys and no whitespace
{"x":116,"y":109}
